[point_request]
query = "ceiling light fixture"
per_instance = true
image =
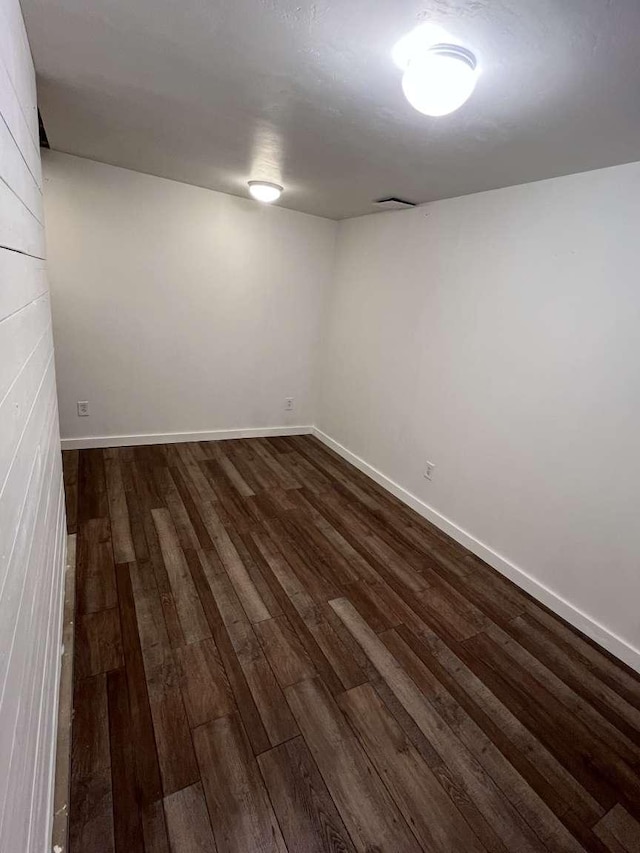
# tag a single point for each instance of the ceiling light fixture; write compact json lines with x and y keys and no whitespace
{"x":439,"y":76}
{"x":265,"y":191}
{"x":420,"y":38}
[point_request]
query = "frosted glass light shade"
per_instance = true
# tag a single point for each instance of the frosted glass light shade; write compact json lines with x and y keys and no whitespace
{"x":265,"y":191}
{"x":439,"y":80}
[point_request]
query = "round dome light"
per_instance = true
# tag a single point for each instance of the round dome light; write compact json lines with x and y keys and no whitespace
{"x":439,"y":80}
{"x":420,"y":38}
{"x":265,"y":191}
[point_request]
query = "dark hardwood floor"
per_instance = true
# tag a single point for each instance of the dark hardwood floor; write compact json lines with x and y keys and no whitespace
{"x":274,"y":654}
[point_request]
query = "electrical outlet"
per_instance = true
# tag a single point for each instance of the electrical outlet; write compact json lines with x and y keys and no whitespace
{"x":288,"y":404}
{"x":83,"y":408}
{"x":428,"y":471}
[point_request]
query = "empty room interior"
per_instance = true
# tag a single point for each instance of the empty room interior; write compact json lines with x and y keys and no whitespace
{"x":319,"y":426}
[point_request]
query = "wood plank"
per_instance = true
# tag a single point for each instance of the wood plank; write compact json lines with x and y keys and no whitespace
{"x":280,"y":444}
{"x":532,"y":636}
{"x":363,"y":568}
{"x":267,"y":695}
{"x":448,"y":612}
{"x":184,"y":528}
{"x":91,"y":814}
{"x":90,"y":732}
{"x":619,"y":827}
{"x":475,"y":781}
{"x":584,"y":651}
{"x":227,"y":601}
{"x":177,"y":761}
{"x":231,"y":503}
{"x":533,"y":797}
{"x":123,"y":549}
{"x":284,"y":584}
{"x":233,"y":564}
{"x":203,"y":681}
{"x":146,"y":461}
{"x":583,"y":712}
{"x":288,"y":659}
{"x":278,"y":564}
{"x":142,"y":576}
{"x":253,"y":605}
{"x":388,"y":535}
{"x":146,"y":758}
{"x":152,"y":629}
{"x":235,"y":477}
{"x":252,"y":467}
{"x":275,"y":714}
{"x":254,"y":565}
{"x":161,"y":578}
{"x":313,"y":541}
{"x":230,"y":776}
{"x":372,"y":549}
{"x":202,"y":535}
{"x":435,"y":820}
{"x":126,"y":813}
{"x":305,"y":472}
{"x":92,"y":486}
{"x":585,"y":834}
{"x":211,"y":563}
{"x":188,"y":606}
{"x":188,"y":823}
{"x":369,"y":814}
{"x":306,"y":813}
{"x":345,"y":655}
{"x":285,"y":479}
{"x":302,"y":559}
{"x":367,"y":601}
{"x":478,"y":696}
{"x":95,"y":570}
{"x":237,"y":681}
{"x":98,"y":645}
{"x":543,"y":714}
{"x":236,"y":452}
{"x":154,"y":828}
{"x":195,"y":480}
{"x":135,"y":511}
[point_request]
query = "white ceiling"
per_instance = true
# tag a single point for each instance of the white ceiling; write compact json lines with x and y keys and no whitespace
{"x":216,"y":92}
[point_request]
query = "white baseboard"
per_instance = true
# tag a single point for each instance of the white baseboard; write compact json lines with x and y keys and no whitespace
{"x":589,"y":626}
{"x":176,"y":437}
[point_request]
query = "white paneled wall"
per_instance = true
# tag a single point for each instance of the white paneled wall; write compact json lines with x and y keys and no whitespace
{"x":32,"y":540}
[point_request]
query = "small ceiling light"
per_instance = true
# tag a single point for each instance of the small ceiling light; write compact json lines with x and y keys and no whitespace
{"x":439,"y":75}
{"x":265,"y":191}
{"x":420,"y":38}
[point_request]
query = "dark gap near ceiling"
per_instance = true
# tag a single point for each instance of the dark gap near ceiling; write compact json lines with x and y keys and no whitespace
{"x":394,"y":203}
{"x":44,"y":142}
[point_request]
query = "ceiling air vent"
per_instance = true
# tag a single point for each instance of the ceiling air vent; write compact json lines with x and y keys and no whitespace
{"x":393,"y":203}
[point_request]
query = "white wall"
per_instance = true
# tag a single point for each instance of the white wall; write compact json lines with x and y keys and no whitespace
{"x":178,"y":309}
{"x":498,"y":336}
{"x":32,"y":535}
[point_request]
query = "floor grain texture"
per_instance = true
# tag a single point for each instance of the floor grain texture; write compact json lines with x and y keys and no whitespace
{"x":272,"y":653}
